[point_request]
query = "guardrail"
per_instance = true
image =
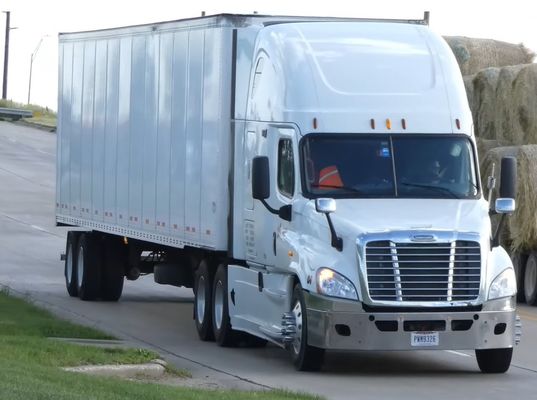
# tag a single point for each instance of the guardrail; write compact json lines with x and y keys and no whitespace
{"x":15,"y":113}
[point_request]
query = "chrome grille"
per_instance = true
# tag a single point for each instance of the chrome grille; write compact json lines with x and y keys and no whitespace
{"x":423,"y":271}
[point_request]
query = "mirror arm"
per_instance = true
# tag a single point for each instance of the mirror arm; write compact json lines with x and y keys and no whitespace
{"x":271,"y":210}
{"x":337,"y":242}
{"x":495,"y":242}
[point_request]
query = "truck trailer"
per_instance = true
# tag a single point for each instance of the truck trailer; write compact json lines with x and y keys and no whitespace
{"x":313,"y":180}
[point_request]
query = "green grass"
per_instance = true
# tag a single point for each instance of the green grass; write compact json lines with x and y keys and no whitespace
{"x":42,"y":115}
{"x":30,"y":363}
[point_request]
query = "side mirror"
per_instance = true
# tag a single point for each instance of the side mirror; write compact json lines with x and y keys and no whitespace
{"x":505,"y":206}
{"x":325,"y":206}
{"x":260,"y":178}
{"x":508,"y":178}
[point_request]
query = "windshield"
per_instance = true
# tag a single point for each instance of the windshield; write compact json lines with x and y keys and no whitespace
{"x":414,"y":166}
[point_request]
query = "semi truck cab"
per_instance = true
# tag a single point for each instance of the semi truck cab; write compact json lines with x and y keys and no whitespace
{"x":363,"y":210}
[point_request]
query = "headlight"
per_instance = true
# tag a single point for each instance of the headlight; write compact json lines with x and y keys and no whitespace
{"x":504,"y":285}
{"x":330,"y":283}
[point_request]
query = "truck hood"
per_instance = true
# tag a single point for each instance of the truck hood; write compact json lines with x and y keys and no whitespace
{"x":356,"y":216}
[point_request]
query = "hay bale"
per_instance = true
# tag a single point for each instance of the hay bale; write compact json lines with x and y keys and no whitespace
{"x":469,"y":86}
{"x":474,"y":55}
{"x":504,"y":117}
{"x":523,"y":223}
{"x":484,"y":102}
{"x":523,"y":104}
{"x":504,"y":104}
{"x":485,"y":145}
{"x":520,"y":233}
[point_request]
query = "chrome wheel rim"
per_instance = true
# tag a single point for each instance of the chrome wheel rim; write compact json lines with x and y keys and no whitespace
{"x":80,"y":266}
{"x":297,"y":312}
{"x":218,"y":304}
{"x":69,"y":272}
{"x":200,"y":299}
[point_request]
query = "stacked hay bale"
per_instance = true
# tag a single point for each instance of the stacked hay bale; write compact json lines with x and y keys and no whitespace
{"x":474,"y":55}
{"x":520,"y":234}
{"x":501,"y":85}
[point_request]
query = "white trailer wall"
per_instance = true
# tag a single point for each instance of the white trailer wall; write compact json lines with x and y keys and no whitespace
{"x":144,"y":132}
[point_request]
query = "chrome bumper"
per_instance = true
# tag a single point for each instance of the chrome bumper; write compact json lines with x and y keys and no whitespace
{"x":344,"y":325}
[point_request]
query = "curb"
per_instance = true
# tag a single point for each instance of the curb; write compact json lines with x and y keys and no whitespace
{"x":154,"y":369}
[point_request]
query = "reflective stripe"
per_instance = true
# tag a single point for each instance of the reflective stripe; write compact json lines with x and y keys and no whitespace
{"x":329,"y":177}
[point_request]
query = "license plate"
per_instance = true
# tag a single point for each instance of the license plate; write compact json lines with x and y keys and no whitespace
{"x":424,"y":339}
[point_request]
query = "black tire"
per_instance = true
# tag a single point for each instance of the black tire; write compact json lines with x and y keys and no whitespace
{"x":305,"y":357}
{"x":519,"y":264}
{"x":224,"y":335}
{"x":494,"y":361}
{"x":203,"y":302}
{"x":530,"y":280}
{"x":88,"y":261}
{"x":113,"y":271}
{"x":70,"y":263}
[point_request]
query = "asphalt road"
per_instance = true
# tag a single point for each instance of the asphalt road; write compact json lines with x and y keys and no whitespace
{"x":160,"y":317}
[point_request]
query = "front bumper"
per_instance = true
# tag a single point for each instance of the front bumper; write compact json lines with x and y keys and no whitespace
{"x":342,"y":324}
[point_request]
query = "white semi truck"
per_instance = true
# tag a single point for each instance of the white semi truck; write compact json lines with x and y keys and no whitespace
{"x":314,"y":180}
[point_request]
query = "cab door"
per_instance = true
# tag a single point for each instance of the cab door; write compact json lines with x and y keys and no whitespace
{"x":260,"y":225}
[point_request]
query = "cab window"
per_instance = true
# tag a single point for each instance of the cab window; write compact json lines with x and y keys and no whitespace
{"x":286,"y":168}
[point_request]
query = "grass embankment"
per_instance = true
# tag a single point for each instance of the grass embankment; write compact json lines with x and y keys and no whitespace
{"x":42,"y":115}
{"x":30,"y":363}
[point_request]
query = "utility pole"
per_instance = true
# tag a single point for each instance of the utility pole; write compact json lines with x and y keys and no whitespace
{"x":6,"y":56}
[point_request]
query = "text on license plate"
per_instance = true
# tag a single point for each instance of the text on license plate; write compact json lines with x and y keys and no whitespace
{"x":424,"y":339}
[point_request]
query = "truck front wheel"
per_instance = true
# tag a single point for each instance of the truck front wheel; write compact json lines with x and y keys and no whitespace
{"x":203,"y":279}
{"x":494,"y":361}
{"x":305,"y":357}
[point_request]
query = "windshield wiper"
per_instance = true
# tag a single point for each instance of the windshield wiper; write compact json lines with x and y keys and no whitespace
{"x":431,"y":187}
{"x":347,"y":188}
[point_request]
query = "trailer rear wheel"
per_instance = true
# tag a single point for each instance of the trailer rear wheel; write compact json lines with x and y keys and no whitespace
{"x":519,"y":264}
{"x":88,"y":262}
{"x":224,"y":335}
{"x":70,"y":263}
{"x":530,"y":280}
{"x":113,"y":271}
{"x":494,"y":361}
{"x":203,"y":279}
{"x":305,"y":357}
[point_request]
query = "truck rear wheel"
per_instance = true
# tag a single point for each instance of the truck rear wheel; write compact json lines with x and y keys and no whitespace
{"x":224,"y":335}
{"x":530,"y":280}
{"x":88,"y":265}
{"x":203,"y":288}
{"x":305,"y":357}
{"x":70,"y":263}
{"x":494,"y":361}
{"x":113,"y":271}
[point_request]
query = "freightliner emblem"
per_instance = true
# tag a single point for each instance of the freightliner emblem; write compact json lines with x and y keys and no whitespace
{"x":423,"y":238}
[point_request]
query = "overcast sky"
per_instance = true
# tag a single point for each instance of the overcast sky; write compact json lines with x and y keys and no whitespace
{"x":512,"y":21}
